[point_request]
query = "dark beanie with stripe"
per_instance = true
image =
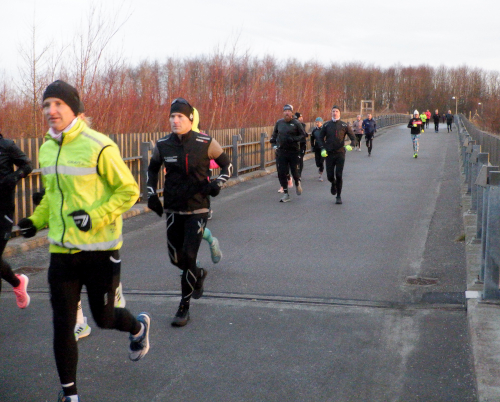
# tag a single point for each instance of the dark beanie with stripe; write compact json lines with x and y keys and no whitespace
{"x":62,"y":90}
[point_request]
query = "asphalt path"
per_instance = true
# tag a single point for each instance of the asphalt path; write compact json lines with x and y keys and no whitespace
{"x":312,"y":301}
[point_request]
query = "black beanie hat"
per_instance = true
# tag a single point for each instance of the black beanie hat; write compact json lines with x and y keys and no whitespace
{"x":297,"y":115}
{"x":288,"y":107}
{"x":181,"y":105}
{"x":62,"y":90}
{"x":335,"y":107}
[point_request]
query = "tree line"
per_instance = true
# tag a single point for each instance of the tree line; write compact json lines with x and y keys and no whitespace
{"x":239,"y":90}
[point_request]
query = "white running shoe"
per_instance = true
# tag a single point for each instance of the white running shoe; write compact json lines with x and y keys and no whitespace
{"x":82,"y":330}
{"x":280,"y":190}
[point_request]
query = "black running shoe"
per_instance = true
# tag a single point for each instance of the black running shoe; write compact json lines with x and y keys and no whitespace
{"x":181,"y":317}
{"x":198,"y":287}
{"x":338,"y":200}
{"x":333,"y":189}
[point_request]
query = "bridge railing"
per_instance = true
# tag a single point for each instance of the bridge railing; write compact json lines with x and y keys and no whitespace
{"x":248,"y":148}
{"x":480,"y":158}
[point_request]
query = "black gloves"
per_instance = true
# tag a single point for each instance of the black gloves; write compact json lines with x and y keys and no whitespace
{"x":37,"y":197}
{"x":214,"y":188}
{"x":82,"y":220}
{"x":154,"y":204}
{"x":27,"y":228}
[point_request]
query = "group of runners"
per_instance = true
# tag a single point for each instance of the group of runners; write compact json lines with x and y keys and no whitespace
{"x":328,"y":142}
{"x":418,"y":123}
{"x":87,"y":188}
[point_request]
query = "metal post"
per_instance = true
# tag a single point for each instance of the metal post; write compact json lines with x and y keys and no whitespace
{"x":235,"y":155}
{"x":467,"y":167}
{"x":464,"y":150}
{"x":481,"y":183}
{"x":492,"y":251}
{"x":263,"y":137}
{"x":474,"y":171}
{"x":145,"y":148}
{"x":484,"y":219}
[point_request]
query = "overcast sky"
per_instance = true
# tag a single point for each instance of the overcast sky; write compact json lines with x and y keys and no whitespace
{"x":380,"y":33}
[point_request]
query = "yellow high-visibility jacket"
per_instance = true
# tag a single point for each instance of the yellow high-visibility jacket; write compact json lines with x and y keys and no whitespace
{"x":84,"y":172}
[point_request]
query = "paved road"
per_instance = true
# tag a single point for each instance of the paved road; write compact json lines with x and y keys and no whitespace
{"x":311,"y":301}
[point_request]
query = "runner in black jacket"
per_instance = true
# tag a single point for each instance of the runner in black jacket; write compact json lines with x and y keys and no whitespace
{"x":331,"y":141}
{"x":287,"y":136}
{"x":415,"y":124}
{"x":436,"y":117}
{"x":303,"y":143}
{"x":11,"y":155}
{"x":370,"y":128}
{"x":186,"y":156}
{"x":320,"y":161}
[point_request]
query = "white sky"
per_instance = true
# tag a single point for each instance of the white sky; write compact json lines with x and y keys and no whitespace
{"x":380,"y":33}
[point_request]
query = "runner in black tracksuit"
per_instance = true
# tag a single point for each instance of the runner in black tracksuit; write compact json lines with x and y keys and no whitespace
{"x":287,"y":135}
{"x":303,"y":143}
{"x":320,"y":161}
{"x":11,"y":155}
{"x":331,"y":140}
{"x":436,"y":117}
{"x":449,"y":120}
{"x":186,"y":156}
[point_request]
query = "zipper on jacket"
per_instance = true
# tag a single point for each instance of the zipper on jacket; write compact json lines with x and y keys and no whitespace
{"x":62,"y":195}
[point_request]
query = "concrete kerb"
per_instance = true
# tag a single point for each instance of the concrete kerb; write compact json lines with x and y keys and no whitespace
{"x":483,"y":318}
{"x":19,"y":244}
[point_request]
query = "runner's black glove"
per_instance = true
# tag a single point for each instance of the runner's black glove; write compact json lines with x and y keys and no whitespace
{"x":154,"y":204}
{"x":214,"y":188}
{"x":37,"y":197}
{"x":27,"y":228}
{"x":82,"y":220}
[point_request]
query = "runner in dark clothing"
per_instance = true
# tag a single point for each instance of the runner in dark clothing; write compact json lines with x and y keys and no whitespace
{"x":11,"y":155}
{"x":186,"y":155}
{"x":287,"y":135}
{"x":436,"y":117}
{"x":370,"y":128}
{"x":415,"y":125}
{"x":449,"y":120}
{"x":303,"y":143}
{"x":331,"y":141}
{"x":320,"y":161}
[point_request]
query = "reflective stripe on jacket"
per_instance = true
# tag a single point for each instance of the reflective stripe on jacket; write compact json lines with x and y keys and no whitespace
{"x":84,"y":172}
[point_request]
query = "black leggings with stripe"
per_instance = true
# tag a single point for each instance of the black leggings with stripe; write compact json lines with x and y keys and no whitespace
{"x":184,"y":235}
{"x":99,"y":271}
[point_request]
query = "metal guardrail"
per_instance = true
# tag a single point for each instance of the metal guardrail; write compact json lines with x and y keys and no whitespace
{"x":482,"y":177}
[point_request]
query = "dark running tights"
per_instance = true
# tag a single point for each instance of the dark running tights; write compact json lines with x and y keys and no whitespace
{"x":184,"y":235}
{"x":369,"y":144}
{"x":5,"y":269}
{"x":334,"y":168}
{"x":99,"y":271}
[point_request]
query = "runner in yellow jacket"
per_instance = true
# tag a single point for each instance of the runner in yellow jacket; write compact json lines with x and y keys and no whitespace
{"x":87,"y":189}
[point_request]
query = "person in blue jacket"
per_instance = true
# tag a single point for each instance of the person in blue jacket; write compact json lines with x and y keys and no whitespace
{"x":370,"y":128}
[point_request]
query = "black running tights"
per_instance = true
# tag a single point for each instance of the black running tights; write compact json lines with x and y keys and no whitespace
{"x":184,"y":235}
{"x":99,"y":271}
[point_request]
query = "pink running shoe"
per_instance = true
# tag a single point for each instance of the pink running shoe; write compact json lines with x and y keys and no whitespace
{"x":290,"y":183}
{"x":22,"y":297}
{"x":280,"y":190}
